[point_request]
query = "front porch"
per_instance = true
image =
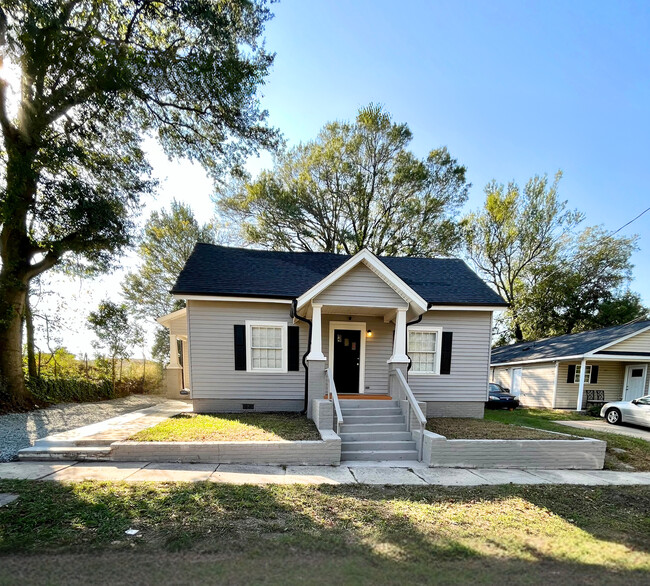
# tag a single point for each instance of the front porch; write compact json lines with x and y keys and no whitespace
{"x":600,"y":378}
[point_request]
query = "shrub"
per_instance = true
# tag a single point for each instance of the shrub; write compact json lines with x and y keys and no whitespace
{"x":594,"y":410}
{"x":71,"y":390}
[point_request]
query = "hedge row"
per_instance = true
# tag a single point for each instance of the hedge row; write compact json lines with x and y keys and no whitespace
{"x":71,"y":390}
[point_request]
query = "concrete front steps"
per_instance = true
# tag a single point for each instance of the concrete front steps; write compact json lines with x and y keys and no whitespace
{"x":375,"y":430}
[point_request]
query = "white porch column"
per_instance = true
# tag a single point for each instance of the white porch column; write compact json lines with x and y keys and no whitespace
{"x":173,"y":351}
{"x":316,"y":352}
{"x":581,"y":387}
{"x":399,"y":343}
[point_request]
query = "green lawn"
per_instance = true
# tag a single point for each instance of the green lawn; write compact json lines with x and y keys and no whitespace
{"x":193,"y":533}
{"x":635,"y":452}
{"x":191,"y":427}
{"x":465,"y":428}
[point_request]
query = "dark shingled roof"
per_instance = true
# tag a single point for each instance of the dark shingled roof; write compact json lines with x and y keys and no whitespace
{"x":244,"y":272}
{"x":564,"y":346}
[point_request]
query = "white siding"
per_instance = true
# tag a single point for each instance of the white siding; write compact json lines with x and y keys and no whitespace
{"x":537,"y":383}
{"x":362,"y":288}
{"x":610,"y":379}
{"x":212,"y":354}
{"x":212,"y":360}
{"x":469,"y":359}
{"x":638,"y":343}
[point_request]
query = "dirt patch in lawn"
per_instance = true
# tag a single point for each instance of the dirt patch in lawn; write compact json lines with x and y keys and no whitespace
{"x":465,"y":428}
{"x":231,"y":427}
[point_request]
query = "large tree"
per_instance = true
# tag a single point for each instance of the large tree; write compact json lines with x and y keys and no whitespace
{"x":516,"y":231}
{"x":584,"y":288}
{"x":166,"y":243}
{"x":355,"y":186}
{"x":95,"y":76}
{"x":556,"y":280}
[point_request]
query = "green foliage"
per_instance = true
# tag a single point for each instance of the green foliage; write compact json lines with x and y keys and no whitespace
{"x":524,"y":244}
{"x":110,"y":323}
{"x":167,"y":241}
{"x":583,"y":288}
{"x":70,"y":390}
{"x":95,"y":78}
{"x":516,"y":231}
{"x":355,"y":186}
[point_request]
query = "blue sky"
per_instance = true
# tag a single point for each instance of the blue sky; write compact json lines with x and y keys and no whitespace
{"x":513,"y":89}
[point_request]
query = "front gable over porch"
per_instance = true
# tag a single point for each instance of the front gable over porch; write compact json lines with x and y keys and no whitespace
{"x":363,"y":285}
{"x":363,"y":281}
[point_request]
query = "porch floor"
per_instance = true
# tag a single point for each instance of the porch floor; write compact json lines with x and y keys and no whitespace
{"x":360,"y":397}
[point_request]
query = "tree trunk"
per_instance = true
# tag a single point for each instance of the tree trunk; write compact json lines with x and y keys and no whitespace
{"x":113,"y":372}
{"x":12,"y":305}
{"x":519,"y":334}
{"x":29,"y":328}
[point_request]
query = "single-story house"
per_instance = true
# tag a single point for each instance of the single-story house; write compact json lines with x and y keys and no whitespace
{"x":610,"y":364}
{"x":261,"y":328}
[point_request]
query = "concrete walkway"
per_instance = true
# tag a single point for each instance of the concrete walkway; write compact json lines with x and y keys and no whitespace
{"x":353,"y":473}
{"x":605,"y":427}
{"x":96,"y":438}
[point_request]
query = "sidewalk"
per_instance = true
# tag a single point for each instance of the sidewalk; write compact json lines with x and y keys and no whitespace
{"x":605,"y":427}
{"x":354,"y":473}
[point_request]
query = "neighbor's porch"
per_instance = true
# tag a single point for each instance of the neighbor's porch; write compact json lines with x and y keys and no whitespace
{"x":600,"y":379}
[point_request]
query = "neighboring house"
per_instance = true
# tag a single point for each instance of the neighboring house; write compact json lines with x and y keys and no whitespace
{"x":560,"y":372}
{"x":255,"y":318}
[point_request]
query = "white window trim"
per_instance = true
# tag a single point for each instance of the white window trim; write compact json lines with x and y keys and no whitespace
{"x":249,"y":350}
{"x":429,"y":329}
{"x":576,"y":375}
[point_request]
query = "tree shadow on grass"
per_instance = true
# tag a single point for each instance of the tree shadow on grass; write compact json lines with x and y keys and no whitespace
{"x":349,"y":534}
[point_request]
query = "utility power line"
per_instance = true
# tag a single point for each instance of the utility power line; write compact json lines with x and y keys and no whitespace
{"x":632,"y":220}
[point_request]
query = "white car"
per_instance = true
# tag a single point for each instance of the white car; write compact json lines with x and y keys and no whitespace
{"x":636,"y":411}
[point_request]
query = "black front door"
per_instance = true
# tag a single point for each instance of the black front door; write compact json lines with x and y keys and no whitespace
{"x":347,"y":357}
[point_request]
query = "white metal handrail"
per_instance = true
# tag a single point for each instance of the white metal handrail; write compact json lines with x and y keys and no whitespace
{"x":333,"y":395}
{"x":403,"y":387}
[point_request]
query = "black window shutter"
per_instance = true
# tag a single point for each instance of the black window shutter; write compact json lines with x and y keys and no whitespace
{"x":594,"y":374}
{"x":571,"y":375}
{"x":240,"y":347}
{"x":445,"y":354}
{"x":293,"y":342}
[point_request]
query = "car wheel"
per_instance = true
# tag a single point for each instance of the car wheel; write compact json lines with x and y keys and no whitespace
{"x":613,"y":416}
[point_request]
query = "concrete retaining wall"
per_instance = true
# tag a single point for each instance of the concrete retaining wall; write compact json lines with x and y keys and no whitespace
{"x":322,"y":413}
{"x":581,"y":454}
{"x":325,"y":452}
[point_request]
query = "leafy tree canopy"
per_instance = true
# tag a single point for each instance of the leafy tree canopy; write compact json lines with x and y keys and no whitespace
{"x":557,"y":281}
{"x":166,"y":243}
{"x":114,"y":332}
{"x":95,"y":77}
{"x":355,"y":186}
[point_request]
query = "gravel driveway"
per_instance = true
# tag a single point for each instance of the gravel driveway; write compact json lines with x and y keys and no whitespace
{"x":21,"y":430}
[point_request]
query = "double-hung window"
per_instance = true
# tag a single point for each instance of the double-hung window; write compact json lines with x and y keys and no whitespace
{"x":267,"y":346}
{"x":424,"y":349}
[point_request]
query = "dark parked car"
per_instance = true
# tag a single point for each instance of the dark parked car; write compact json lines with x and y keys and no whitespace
{"x":501,"y":398}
